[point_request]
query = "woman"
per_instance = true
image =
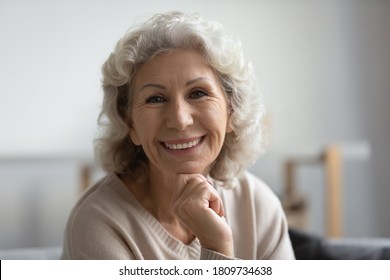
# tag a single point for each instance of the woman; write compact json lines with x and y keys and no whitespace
{"x":181,"y":119}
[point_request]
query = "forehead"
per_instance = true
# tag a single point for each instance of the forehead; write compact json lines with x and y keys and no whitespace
{"x":179,"y":65}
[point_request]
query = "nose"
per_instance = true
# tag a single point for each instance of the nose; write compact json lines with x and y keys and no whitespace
{"x":179,"y":115}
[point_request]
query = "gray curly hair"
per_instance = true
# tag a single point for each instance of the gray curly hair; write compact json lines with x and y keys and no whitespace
{"x":114,"y":149}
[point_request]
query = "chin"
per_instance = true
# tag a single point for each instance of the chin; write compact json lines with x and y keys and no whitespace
{"x":191,"y":170}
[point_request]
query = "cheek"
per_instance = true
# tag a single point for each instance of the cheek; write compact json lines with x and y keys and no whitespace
{"x":135,"y":128}
{"x":217,"y":116}
{"x":145,"y":125}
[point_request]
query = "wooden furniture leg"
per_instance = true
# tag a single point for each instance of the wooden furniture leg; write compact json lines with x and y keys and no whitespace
{"x":332,"y":161}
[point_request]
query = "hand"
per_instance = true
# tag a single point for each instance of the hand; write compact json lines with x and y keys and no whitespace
{"x":199,"y":207}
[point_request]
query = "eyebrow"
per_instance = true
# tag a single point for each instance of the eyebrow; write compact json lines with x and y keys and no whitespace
{"x":190,"y":82}
{"x":153,"y":85}
{"x":196,"y":80}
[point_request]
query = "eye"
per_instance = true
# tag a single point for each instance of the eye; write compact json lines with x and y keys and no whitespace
{"x":197,"y":93}
{"x":155,"y":99}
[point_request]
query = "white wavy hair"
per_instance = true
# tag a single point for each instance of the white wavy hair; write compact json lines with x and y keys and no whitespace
{"x":114,"y":149}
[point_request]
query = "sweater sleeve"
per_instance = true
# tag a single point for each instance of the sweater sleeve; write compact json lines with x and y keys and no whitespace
{"x":206,"y":254}
{"x":257,"y":220}
{"x":272,"y":229}
{"x":282,"y":248}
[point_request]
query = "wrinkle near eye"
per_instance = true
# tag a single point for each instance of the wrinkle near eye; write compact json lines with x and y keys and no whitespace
{"x":155,"y":99}
{"x":138,"y":103}
{"x":219,"y":104}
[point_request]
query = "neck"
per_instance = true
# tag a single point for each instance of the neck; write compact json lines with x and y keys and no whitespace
{"x":161,"y":187}
{"x":160,"y":191}
{"x":155,"y":194}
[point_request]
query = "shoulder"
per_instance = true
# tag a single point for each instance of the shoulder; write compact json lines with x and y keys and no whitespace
{"x":252,"y":197}
{"x":103,"y":195}
{"x":94,"y":219}
{"x":249,"y":180}
{"x":251,"y":187}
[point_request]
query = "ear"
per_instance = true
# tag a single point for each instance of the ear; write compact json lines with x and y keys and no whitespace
{"x":132,"y":131}
{"x":134,"y":136}
{"x":229,"y":125}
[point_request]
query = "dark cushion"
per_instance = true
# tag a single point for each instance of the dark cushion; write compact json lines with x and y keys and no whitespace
{"x":308,"y":246}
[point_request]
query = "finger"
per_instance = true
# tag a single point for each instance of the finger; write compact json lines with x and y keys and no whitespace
{"x":215,"y":203}
{"x":201,"y":187}
{"x":196,"y":185}
{"x":184,"y":185}
{"x":181,"y":181}
{"x":185,"y":182}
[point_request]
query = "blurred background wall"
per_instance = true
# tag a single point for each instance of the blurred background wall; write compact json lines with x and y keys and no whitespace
{"x":323,"y":67}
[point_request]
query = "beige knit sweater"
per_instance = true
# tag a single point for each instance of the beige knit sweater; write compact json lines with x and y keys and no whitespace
{"x":109,"y":223}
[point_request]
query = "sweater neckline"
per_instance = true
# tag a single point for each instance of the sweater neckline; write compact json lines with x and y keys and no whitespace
{"x":157,"y":228}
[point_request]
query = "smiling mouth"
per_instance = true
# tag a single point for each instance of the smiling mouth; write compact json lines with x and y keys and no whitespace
{"x":183,"y":146}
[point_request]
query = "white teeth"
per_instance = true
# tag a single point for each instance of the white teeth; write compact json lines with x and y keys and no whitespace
{"x":183,"y":145}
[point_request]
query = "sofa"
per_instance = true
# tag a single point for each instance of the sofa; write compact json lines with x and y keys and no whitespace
{"x":309,"y":246}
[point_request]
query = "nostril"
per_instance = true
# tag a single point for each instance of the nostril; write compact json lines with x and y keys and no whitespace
{"x":179,"y":117}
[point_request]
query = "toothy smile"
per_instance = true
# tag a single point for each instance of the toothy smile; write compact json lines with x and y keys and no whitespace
{"x":182,"y":146}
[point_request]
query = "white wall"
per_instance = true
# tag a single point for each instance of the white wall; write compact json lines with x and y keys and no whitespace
{"x":323,"y":67}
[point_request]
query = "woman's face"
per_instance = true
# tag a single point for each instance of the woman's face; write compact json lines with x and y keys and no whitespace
{"x":179,"y":113}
